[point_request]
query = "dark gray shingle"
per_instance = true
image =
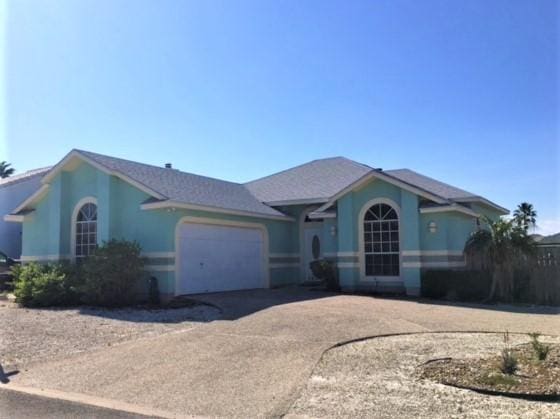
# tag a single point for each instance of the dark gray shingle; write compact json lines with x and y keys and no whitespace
{"x":318,"y":179}
{"x":186,"y":187}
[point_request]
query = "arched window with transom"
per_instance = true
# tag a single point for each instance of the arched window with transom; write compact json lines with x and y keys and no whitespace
{"x":381,"y":241}
{"x":86,"y":230}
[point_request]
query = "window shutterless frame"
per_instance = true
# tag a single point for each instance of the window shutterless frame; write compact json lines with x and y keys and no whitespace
{"x":84,"y":228}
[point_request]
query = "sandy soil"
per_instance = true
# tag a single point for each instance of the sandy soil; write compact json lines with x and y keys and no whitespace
{"x":376,"y":378}
{"x":31,"y":335}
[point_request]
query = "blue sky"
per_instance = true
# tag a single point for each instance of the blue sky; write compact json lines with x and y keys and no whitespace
{"x":464,"y":91}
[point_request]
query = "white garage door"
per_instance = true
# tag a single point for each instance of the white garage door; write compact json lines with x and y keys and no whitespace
{"x":219,"y":258}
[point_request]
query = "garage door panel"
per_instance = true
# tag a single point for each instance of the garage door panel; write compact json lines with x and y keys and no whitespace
{"x":219,"y":258}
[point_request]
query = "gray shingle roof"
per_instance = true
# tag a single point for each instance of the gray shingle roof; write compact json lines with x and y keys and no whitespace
{"x":323,"y":179}
{"x":184,"y":187}
{"x":22,"y":177}
{"x":431,"y":185}
{"x":318,"y":179}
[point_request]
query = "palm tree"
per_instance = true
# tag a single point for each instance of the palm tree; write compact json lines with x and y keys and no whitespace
{"x":504,"y":245}
{"x":6,"y":170}
{"x":525,"y":216}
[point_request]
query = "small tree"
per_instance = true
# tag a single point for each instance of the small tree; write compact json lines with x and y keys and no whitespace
{"x":525,"y":216}
{"x":504,"y":246}
{"x":111,"y":273}
{"x":6,"y":170}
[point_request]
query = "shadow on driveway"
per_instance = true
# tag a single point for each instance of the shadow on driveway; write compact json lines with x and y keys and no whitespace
{"x":510,"y":308}
{"x":237,"y":304}
{"x":233,"y":305}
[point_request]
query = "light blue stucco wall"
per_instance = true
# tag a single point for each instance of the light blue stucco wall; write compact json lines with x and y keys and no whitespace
{"x":349,"y":208}
{"x":47,"y":232}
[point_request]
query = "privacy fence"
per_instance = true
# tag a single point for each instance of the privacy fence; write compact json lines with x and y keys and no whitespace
{"x":536,"y":281}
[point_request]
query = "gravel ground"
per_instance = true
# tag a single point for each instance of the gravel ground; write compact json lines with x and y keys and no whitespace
{"x":376,"y":378}
{"x":31,"y":335}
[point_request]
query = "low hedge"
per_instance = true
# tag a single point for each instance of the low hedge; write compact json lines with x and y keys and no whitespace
{"x":105,"y":278}
{"x":463,"y":285}
{"x":46,"y":285}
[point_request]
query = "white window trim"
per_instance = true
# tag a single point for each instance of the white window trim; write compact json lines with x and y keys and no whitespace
{"x":361,"y":245}
{"x":215,"y":221}
{"x":74,"y":219}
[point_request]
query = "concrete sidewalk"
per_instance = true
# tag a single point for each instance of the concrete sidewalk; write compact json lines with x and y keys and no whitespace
{"x":256,"y":363}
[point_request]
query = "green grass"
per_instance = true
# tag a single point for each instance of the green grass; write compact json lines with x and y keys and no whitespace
{"x":499,"y":380}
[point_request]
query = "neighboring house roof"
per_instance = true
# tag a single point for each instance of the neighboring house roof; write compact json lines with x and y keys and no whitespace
{"x":552,"y":239}
{"x":316,"y":181}
{"x":22,"y":177}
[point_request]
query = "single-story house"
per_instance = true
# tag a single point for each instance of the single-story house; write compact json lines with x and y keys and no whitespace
{"x":380,"y":227}
{"x":13,"y":191}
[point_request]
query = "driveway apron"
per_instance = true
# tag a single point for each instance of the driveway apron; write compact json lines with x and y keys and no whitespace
{"x":255,"y":362}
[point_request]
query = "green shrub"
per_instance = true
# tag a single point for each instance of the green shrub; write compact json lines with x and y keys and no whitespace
{"x":463,"y":285}
{"x":508,"y":364}
{"x":541,"y":350}
{"x":46,"y":285}
{"x":111,"y":273}
{"x":326,"y":271}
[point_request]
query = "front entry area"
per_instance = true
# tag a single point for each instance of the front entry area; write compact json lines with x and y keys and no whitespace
{"x":215,"y":258}
{"x":312,"y":242}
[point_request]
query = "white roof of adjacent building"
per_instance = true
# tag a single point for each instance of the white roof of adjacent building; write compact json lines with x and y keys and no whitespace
{"x":22,"y":177}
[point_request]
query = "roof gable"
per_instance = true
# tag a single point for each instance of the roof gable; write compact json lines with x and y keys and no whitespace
{"x":318,"y":181}
{"x":171,"y":185}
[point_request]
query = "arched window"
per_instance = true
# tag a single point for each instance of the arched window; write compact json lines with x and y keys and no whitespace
{"x":86,"y":230}
{"x":381,"y":241}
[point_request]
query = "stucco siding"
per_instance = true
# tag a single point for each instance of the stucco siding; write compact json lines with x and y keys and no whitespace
{"x":47,"y":231}
{"x":349,"y":220}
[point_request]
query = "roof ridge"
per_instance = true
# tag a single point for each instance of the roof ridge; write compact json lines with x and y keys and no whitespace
{"x":158,"y":167}
{"x":305,"y":164}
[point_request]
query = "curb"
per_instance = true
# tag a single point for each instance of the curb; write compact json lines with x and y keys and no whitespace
{"x":84,"y":399}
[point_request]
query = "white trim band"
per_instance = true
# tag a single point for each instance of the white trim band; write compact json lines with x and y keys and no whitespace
{"x":432,"y":253}
{"x":340,"y":254}
{"x":283,"y":255}
{"x":29,"y":258}
{"x":158,"y":254}
{"x":169,"y":204}
{"x":434,"y":264}
{"x":283,"y":265}
{"x":11,"y":218}
{"x":448,"y":208}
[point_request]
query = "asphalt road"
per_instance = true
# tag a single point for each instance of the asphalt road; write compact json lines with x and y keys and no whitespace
{"x":17,"y":405}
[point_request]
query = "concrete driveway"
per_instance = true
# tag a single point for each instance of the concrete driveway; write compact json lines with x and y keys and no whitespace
{"x":256,"y":360}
